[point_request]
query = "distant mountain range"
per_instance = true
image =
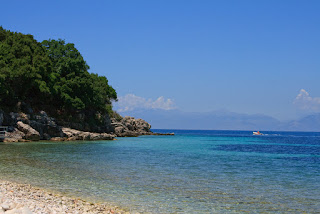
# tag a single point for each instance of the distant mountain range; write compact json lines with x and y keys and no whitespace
{"x":222,"y":120}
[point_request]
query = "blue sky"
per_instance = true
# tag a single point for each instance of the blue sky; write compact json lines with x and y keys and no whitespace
{"x":197,"y":56}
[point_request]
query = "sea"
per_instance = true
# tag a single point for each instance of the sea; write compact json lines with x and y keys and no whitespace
{"x":194,"y":171}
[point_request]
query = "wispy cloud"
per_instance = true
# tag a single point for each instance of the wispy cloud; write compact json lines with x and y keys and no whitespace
{"x":131,"y":102}
{"x":304,"y":101}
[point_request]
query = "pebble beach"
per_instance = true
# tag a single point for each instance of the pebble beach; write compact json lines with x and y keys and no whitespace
{"x":25,"y":199}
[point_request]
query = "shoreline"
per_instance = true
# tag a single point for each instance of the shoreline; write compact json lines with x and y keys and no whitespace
{"x":83,"y":136}
{"x":21,"y":127}
{"x":26,"y":199}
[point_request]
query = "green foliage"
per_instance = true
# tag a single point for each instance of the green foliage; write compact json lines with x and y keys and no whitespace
{"x":74,"y":88}
{"x":50,"y":75}
{"x":24,"y":69}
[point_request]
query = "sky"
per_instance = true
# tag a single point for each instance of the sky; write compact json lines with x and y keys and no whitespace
{"x":248,"y":56}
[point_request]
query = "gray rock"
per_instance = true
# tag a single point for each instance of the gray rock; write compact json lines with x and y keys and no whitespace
{"x":119,"y":130}
{"x":46,"y":126}
{"x":58,"y":139}
{"x":1,"y":117}
{"x":131,"y":127}
{"x":10,"y":119}
{"x":107,"y":123}
{"x":46,"y":131}
{"x":10,"y":140}
{"x":16,"y":134}
{"x":31,"y":134}
{"x":73,"y":134}
{"x":80,"y":122}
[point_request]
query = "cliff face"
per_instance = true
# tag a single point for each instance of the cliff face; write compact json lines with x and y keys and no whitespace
{"x":80,"y":124}
{"x":40,"y":124}
{"x":25,"y":127}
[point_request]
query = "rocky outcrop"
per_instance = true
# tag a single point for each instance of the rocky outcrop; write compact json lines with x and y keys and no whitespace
{"x":34,"y":127}
{"x":72,"y":134}
{"x":39,"y":126}
{"x":30,"y":133}
{"x":131,"y":127}
{"x":24,"y":127}
{"x":46,"y":126}
{"x":11,"y":119}
{"x":15,"y":136}
{"x":79,"y":124}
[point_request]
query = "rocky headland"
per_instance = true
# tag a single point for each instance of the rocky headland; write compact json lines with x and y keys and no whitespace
{"x":24,"y":127}
{"x":48,"y":93}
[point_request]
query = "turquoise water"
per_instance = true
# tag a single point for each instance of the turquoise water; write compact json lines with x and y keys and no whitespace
{"x":191,"y":172}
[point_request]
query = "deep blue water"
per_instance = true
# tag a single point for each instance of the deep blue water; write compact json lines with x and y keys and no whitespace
{"x":191,"y":172}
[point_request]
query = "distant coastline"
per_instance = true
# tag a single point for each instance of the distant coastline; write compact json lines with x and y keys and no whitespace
{"x":224,"y":120}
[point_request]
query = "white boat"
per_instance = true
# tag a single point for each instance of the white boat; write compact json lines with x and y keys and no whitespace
{"x":257,"y":133}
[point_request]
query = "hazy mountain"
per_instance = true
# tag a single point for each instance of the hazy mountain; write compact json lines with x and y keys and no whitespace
{"x":222,"y":120}
{"x":308,"y":123}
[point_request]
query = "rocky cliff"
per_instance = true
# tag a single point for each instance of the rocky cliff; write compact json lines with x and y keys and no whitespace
{"x":33,"y":127}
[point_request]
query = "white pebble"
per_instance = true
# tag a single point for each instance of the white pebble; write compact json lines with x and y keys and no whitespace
{"x":5,"y":206}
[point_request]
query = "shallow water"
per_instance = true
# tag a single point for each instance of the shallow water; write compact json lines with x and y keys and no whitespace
{"x":191,"y":172}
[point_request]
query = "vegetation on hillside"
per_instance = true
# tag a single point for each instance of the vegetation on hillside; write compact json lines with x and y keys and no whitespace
{"x":51,"y":76}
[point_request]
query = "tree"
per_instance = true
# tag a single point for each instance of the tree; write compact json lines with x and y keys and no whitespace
{"x":51,"y":76}
{"x":24,"y":69}
{"x":74,"y":87}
